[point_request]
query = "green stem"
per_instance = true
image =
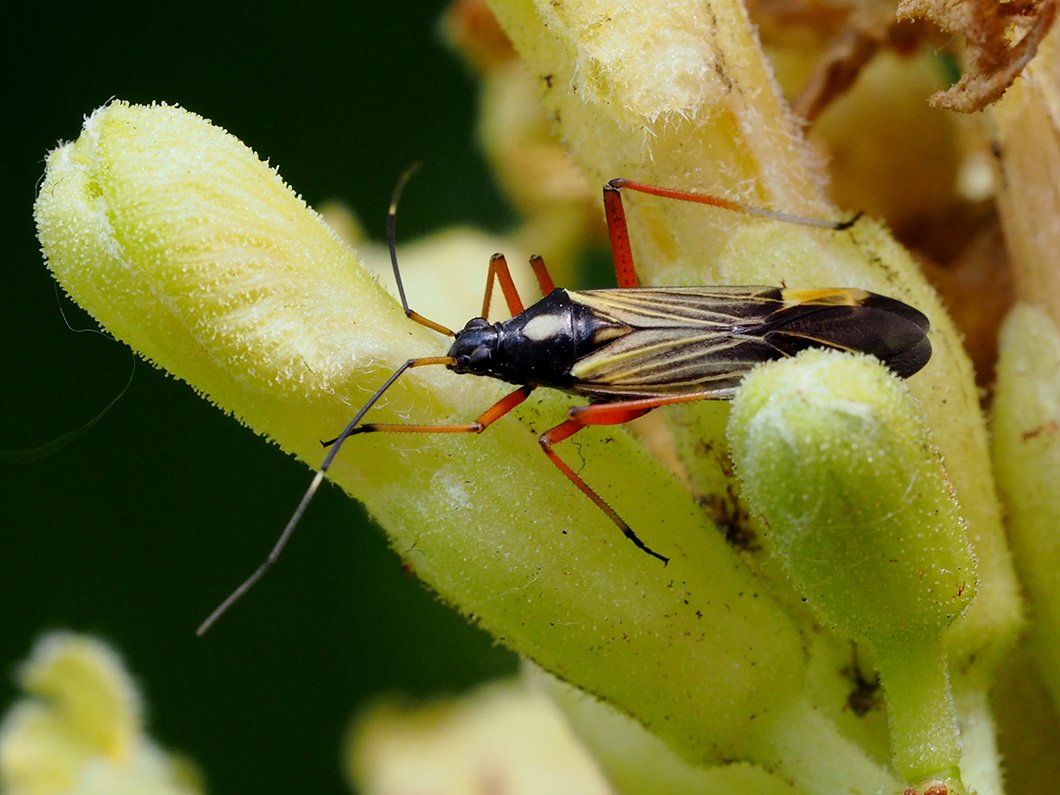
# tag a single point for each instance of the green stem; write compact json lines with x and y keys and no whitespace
{"x":922,"y":716}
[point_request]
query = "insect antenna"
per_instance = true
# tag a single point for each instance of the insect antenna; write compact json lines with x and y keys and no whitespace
{"x":391,"y":242}
{"x":352,"y":427}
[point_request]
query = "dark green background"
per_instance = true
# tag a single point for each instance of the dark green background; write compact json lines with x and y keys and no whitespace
{"x":138,"y":529}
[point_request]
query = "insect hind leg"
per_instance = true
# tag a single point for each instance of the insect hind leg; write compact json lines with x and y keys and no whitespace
{"x":616,"y":185}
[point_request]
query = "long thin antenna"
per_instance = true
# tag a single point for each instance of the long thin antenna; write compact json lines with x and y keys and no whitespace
{"x":391,"y":238}
{"x":391,"y":229}
{"x":352,"y":427}
{"x":350,"y":430}
{"x":52,"y":446}
{"x":40,"y":452}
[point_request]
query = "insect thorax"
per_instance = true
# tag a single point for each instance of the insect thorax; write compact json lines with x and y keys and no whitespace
{"x":537,"y":347}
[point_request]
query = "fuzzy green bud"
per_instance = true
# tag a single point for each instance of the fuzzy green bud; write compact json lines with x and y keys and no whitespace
{"x":858,"y":509}
{"x":855,"y":499}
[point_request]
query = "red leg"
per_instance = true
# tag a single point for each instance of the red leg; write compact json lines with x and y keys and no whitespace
{"x":618,"y":230}
{"x":499,"y":409}
{"x":614,"y":413}
{"x":621,"y":253}
{"x":542,"y":274}
{"x":481,"y":423}
{"x":621,"y":411}
{"x":683,"y":195}
{"x":499,"y":272}
{"x":564,"y":431}
{"x":717,"y":201}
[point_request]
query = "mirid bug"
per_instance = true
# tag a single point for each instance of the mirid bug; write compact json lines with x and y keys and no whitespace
{"x":633,"y":349}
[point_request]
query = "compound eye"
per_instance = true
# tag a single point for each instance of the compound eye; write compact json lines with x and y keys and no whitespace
{"x":477,"y":361}
{"x":476,"y":323}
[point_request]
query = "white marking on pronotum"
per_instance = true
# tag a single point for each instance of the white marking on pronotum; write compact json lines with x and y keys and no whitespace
{"x":545,"y":327}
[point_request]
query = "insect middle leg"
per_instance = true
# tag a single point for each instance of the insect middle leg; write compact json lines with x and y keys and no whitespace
{"x":612,"y":413}
{"x":567,"y":429}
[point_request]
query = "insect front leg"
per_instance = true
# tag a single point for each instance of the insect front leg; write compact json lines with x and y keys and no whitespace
{"x":500,"y":272}
{"x":481,"y":423}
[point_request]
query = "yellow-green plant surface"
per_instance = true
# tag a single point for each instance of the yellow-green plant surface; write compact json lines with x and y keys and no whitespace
{"x":180,"y":241}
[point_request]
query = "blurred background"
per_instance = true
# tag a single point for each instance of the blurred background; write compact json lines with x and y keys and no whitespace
{"x":135,"y":531}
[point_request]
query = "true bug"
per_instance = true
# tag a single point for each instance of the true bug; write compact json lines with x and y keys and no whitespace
{"x":633,"y":349}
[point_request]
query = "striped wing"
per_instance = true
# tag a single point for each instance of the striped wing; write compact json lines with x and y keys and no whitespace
{"x":695,"y":339}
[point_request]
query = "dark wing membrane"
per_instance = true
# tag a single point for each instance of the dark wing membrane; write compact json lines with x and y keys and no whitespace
{"x":893,"y":332}
{"x":705,"y":339}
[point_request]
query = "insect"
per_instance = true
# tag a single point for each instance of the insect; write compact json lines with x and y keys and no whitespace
{"x":633,"y":349}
